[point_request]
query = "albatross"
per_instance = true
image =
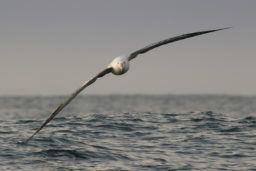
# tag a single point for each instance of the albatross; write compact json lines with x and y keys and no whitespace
{"x":119,"y":66}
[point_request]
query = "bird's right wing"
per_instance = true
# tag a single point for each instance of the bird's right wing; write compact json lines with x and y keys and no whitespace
{"x":169,"y":40}
{"x":71,"y":97}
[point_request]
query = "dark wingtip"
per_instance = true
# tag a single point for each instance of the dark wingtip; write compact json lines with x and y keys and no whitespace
{"x":223,"y":28}
{"x":29,"y":139}
{"x":210,"y":31}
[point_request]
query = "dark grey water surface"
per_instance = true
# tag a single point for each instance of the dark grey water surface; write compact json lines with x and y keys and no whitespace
{"x":130,"y":133}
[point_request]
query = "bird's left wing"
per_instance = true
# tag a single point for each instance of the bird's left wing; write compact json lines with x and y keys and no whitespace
{"x":71,"y":97}
{"x":169,"y":40}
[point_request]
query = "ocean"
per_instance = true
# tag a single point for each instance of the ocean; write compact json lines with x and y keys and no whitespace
{"x":129,"y":132}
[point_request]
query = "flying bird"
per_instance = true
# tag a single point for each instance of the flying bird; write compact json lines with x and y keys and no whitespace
{"x":119,"y":66}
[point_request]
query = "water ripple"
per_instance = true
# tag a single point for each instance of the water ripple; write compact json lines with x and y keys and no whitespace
{"x":162,"y":133}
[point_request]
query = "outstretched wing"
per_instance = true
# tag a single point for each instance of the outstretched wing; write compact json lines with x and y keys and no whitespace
{"x":169,"y":40}
{"x":71,"y":97}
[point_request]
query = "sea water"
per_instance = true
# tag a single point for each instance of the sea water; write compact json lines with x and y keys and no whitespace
{"x":135,"y":132}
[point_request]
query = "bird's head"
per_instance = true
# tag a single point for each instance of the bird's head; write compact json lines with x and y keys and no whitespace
{"x":120,"y":65}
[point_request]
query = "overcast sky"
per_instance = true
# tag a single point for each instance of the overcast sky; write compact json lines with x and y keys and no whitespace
{"x":50,"y":47}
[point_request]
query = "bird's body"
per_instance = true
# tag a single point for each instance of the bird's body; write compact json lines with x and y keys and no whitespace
{"x":119,"y":66}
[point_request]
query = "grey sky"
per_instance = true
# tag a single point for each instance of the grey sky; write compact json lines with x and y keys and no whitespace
{"x":50,"y":47}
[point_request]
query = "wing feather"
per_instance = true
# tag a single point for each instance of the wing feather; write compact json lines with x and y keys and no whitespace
{"x":71,"y":97}
{"x":169,"y":40}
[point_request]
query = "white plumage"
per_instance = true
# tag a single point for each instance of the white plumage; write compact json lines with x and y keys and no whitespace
{"x":119,"y":65}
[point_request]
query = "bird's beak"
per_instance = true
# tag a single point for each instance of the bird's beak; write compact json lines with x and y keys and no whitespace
{"x":122,"y":67}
